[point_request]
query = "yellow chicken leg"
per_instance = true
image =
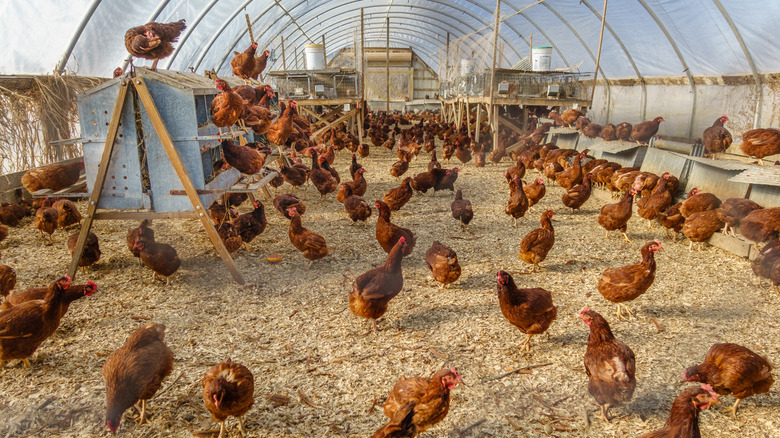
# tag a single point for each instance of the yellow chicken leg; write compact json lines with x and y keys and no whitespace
{"x":734,"y":408}
{"x":526,"y":344}
{"x":604,"y":409}
{"x":221,"y":429}
{"x":142,"y":417}
{"x":26,"y":363}
{"x":241,"y":427}
{"x":626,"y":237}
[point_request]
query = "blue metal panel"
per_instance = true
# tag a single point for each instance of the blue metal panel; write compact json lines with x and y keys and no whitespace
{"x":630,"y":158}
{"x":715,"y":180}
{"x":122,"y":188}
{"x":766,"y":196}
{"x":659,"y":161}
{"x":177,"y":109}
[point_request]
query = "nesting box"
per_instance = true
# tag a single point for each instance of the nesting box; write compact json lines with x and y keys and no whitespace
{"x":140,"y":174}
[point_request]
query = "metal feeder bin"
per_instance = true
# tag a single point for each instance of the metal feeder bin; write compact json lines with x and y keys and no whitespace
{"x":140,"y":175}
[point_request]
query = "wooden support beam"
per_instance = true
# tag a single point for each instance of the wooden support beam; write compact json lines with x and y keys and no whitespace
{"x":479,"y":117}
{"x":513,"y":147}
{"x":113,"y":128}
{"x":598,"y":55}
{"x":362,"y":60}
{"x":468,"y":118}
{"x":447,"y":58}
{"x":284,"y":57}
{"x":141,"y":215}
{"x":335,"y":122}
{"x":387,"y":61}
{"x":509,"y":124}
{"x":492,"y":110}
{"x":310,"y":112}
{"x":159,"y":126}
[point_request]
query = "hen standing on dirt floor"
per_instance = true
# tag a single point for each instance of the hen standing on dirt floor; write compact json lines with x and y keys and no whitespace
{"x":530,"y":310}
{"x":135,"y":372}
{"x":609,"y":364}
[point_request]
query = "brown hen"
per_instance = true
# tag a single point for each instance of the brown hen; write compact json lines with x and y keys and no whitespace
{"x":530,"y":310}
{"x":628,"y":282}
{"x":431,"y":397}
{"x":135,"y":372}
{"x":373,"y":289}
{"x":732,"y":369}
{"x":609,"y":364}
{"x":228,"y":391}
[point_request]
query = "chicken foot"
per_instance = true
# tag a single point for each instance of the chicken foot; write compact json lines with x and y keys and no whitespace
{"x":154,"y":65}
{"x":619,"y":312}
{"x":142,"y":418}
{"x":526,"y":344}
{"x":626,"y":237}
{"x":733,"y":409}
{"x":221,"y":429}
{"x":604,"y":409}
{"x":241,"y":430}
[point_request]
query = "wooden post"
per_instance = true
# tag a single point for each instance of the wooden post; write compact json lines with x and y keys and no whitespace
{"x":447,"y":58}
{"x":362,"y":64}
{"x":295,"y":54}
{"x":249,"y":27}
{"x":492,"y":111}
{"x":387,"y":61}
{"x":598,"y":56}
{"x":476,"y":125}
{"x":159,"y":126}
{"x":531,"y":51}
{"x":284,"y":57}
{"x":113,"y":128}
{"x":324,"y":52}
{"x":468,"y":116}
{"x":525,"y":118}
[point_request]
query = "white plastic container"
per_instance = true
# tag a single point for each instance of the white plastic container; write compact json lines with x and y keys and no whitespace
{"x":541,"y":59}
{"x":466,"y":66}
{"x":315,"y":56}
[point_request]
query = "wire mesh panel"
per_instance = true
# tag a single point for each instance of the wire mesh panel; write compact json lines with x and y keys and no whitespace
{"x":316,"y":84}
{"x":518,"y":84}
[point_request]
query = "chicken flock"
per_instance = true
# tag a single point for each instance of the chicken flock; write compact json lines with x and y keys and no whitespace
{"x":137,"y":370}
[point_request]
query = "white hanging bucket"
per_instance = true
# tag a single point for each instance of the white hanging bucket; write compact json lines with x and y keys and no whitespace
{"x":541,"y":59}
{"x":315,"y":56}
{"x":466,"y":66}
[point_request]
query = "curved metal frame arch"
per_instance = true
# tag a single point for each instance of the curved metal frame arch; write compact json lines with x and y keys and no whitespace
{"x":587,"y":49}
{"x":426,"y":17}
{"x":756,"y":76}
{"x":297,"y":38}
{"x":315,"y":17}
{"x":219,"y":31}
{"x":643,"y":103}
{"x":686,"y":69}
{"x":341,"y":36}
{"x":190,"y":29}
{"x":227,"y":22}
{"x":476,"y":18}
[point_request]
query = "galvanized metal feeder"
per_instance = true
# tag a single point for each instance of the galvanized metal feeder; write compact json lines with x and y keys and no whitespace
{"x":154,"y":153}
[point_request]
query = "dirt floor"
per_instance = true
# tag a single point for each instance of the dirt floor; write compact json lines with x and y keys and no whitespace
{"x":292,"y":327}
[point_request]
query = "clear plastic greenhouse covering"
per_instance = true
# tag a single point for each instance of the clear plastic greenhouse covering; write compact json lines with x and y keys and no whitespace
{"x":643,"y":38}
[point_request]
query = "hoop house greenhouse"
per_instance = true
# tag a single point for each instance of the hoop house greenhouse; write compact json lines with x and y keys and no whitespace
{"x":301,"y":218}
